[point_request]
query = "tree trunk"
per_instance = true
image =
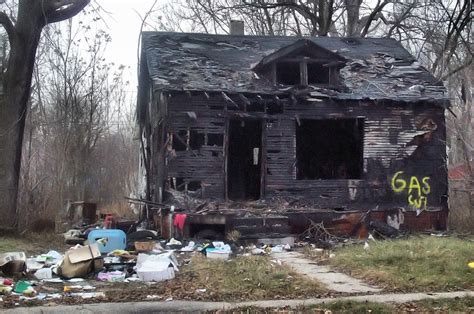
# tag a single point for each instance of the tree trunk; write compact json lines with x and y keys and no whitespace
{"x":24,"y":37}
{"x":353,"y":10}
{"x":17,"y":84}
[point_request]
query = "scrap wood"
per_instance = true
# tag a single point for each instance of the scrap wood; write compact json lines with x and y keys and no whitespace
{"x":200,"y":207}
{"x":139,"y":200}
{"x":320,"y":235}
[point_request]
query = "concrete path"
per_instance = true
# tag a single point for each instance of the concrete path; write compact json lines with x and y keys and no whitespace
{"x":198,"y":306}
{"x":333,"y":280}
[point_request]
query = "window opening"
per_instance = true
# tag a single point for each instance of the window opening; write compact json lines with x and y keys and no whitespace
{"x":275,"y":108}
{"x":179,"y":140}
{"x":215,"y":139}
{"x":196,"y":139}
{"x":318,"y":74}
{"x":288,"y":73}
{"x":329,"y":149}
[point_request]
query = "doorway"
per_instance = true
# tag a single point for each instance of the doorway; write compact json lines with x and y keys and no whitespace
{"x":244,"y":159}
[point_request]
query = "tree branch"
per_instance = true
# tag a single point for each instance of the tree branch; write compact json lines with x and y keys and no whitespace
{"x":456,"y":70}
{"x":372,"y":17}
{"x":7,"y":23}
{"x":62,"y":10}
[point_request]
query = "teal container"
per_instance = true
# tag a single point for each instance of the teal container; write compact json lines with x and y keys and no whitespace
{"x":108,"y":239}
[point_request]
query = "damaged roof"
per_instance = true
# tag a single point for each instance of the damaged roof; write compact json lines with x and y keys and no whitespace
{"x":375,"y":68}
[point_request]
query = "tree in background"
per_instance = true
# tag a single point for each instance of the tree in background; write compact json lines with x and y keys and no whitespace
{"x":24,"y":32}
{"x":79,"y":145}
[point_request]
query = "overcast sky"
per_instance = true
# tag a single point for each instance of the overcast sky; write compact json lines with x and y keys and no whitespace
{"x":124,"y":27}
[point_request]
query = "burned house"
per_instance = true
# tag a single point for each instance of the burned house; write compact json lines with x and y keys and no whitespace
{"x":341,"y":125}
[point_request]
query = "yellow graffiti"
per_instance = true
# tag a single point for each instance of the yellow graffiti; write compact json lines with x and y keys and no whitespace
{"x":417,"y":193}
{"x":398,"y":185}
{"x":426,"y":189}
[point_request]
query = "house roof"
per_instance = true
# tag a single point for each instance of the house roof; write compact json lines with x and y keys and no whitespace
{"x":299,"y":46}
{"x":376,"y":68}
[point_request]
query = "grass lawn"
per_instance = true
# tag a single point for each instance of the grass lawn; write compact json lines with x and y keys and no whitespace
{"x":419,"y":263}
{"x":238,"y":279}
{"x":253,"y":277}
{"x":33,"y":243}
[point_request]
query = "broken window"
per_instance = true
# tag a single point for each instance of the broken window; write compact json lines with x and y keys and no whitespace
{"x":187,"y":139}
{"x":275,"y":108}
{"x":288,"y":73}
{"x":303,"y":72}
{"x":194,"y":186}
{"x":256,"y":107}
{"x":179,"y":140}
{"x":196,"y":139}
{"x":318,"y":74}
{"x":329,"y":149}
{"x":215,"y":139}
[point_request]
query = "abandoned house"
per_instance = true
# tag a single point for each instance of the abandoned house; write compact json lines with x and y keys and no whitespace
{"x":341,"y":125}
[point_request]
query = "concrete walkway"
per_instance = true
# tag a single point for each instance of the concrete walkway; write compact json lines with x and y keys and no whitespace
{"x":333,"y":280}
{"x":197,"y":306}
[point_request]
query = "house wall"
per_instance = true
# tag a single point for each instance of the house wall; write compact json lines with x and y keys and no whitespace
{"x":403,"y":151}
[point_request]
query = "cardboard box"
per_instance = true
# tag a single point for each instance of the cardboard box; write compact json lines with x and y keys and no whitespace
{"x":12,"y":262}
{"x":82,"y":261}
{"x":156,"y":267}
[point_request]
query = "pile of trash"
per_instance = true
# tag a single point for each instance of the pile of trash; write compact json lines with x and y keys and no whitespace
{"x":109,"y":256}
{"x":104,"y":259}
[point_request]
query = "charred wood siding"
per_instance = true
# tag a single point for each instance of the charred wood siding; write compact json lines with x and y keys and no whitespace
{"x":396,"y":138}
{"x":206,"y":163}
{"x":401,"y":141}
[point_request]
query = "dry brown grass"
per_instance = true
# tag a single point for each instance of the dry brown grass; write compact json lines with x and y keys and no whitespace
{"x":238,"y":279}
{"x":461,"y":213}
{"x":119,"y":209}
{"x":32,"y":243}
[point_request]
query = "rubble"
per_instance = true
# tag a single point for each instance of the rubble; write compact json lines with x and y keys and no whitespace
{"x":84,"y":272}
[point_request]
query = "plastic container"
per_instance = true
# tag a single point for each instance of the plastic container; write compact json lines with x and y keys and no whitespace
{"x":108,"y":239}
{"x":217,"y":253}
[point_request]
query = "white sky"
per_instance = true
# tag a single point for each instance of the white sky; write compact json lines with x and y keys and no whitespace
{"x":124,"y":27}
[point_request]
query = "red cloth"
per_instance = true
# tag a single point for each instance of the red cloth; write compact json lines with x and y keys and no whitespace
{"x":179,"y":220}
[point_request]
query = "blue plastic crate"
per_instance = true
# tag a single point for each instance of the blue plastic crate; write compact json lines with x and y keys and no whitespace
{"x":108,"y":239}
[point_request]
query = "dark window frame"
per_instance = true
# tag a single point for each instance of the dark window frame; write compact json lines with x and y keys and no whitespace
{"x":321,"y":147}
{"x":305,"y":78}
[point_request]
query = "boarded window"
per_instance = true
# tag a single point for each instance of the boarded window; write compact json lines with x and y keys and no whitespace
{"x":329,"y":149}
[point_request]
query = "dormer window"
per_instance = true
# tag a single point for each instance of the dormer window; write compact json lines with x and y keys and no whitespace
{"x":318,"y":74}
{"x":288,"y":73}
{"x":304,"y":72}
{"x":302,"y":63}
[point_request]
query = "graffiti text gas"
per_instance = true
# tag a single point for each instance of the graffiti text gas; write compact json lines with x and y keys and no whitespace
{"x":417,"y":189}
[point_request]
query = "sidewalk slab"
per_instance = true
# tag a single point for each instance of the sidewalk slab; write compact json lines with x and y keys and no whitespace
{"x":198,"y":306}
{"x":333,"y":280}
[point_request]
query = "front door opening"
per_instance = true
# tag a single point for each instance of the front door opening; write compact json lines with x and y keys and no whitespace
{"x":244,"y":159}
{"x":329,"y":149}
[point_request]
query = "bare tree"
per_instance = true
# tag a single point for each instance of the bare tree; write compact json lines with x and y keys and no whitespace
{"x":79,"y":112}
{"x":23,"y":35}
